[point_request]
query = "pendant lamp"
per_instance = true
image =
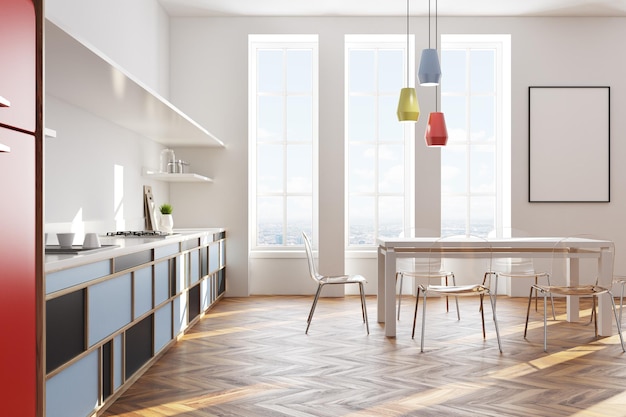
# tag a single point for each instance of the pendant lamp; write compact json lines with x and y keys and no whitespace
{"x":436,"y":131}
{"x":429,"y":72}
{"x":408,"y":107}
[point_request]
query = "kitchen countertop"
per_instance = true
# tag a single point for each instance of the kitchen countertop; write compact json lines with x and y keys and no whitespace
{"x":123,"y":246}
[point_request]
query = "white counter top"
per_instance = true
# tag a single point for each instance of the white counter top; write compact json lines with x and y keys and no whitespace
{"x":123,"y":246}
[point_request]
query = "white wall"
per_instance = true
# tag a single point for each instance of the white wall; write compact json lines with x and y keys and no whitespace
{"x":134,"y":34}
{"x":209,"y":82}
{"x":83,"y":193}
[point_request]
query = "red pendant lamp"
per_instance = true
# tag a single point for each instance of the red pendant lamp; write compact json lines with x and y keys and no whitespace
{"x":436,"y":131}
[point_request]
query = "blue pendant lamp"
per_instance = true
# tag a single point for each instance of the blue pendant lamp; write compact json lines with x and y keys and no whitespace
{"x":429,"y":72}
{"x":408,"y":106}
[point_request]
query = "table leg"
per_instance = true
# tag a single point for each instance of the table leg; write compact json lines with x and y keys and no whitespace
{"x":380,"y":299}
{"x":390,"y":293}
{"x":605,"y":279}
{"x":573,"y":278}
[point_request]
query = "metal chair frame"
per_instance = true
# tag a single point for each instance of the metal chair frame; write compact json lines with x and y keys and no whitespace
{"x":579,"y":290}
{"x":323,"y":280}
{"x":479,"y":290}
{"x":426,"y":275}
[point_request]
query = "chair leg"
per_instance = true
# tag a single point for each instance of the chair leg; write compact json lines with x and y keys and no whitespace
{"x":417,"y":300}
{"x":399,"y":291}
{"x":595,"y":314}
{"x":364,"y":307}
{"x":495,"y":320}
{"x":618,"y":322}
{"x":482,"y":315}
{"x":530,"y":297}
{"x":536,"y":293}
{"x":545,"y":323}
{"x":621,"y":303}
{"x":456,"y":300}
{"x":317,"y":296}
{"x":423,"y":321}
{"x":447,"y":305}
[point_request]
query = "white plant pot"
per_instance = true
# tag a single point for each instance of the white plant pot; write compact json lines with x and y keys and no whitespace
{"x":167,"y":223}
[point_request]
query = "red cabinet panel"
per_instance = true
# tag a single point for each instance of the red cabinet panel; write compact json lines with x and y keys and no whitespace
{"x":17,"y":275}
{"x":17,"y":63}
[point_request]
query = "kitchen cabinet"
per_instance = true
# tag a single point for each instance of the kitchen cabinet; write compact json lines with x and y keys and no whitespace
{"x":72,"y":68}
{"x":111,"y":314}
{"x":17,"y":71}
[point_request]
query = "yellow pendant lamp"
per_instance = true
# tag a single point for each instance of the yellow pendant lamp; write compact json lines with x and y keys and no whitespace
{"x":408,"y":107}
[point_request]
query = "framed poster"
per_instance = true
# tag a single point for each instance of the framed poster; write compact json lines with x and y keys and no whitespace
{"x":569,"y":144}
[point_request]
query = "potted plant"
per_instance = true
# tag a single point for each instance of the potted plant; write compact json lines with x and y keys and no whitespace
{"x":167,"y":221}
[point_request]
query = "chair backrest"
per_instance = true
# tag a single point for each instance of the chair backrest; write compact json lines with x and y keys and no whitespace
{"x":469,"y":267}
{"x":420,"y":265}
{"x":309,"y":254}
{"x":512,"y":265}
{"x":588,"y":270}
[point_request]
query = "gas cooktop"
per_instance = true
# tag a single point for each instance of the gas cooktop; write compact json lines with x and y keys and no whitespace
{"x":141,"y":233}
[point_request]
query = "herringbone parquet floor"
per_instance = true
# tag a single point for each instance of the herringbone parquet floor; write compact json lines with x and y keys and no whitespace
{"x":250,"y":357}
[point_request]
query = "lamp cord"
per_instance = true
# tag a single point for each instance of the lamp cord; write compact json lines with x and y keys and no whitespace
{"x":436,"y":18}
{"x":436,"y":38}
{"x":429,"y":23}
{"x":407,"y":43}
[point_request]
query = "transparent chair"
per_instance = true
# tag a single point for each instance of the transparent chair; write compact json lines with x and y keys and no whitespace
{"x":581,"y":290}
{"x":621,"y":280}
{"x":481,"y":290}
{"x":323,"y":280}
{"x":519,"y":268}
{"x":422,"y":269}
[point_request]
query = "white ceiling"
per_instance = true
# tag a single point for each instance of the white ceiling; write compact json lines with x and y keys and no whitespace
{"x":394,"y":7}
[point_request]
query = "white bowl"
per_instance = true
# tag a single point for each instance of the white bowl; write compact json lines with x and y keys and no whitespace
{"x":65,"y":239}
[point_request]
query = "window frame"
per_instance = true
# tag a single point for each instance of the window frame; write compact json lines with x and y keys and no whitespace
{"x":501,"y":43}
{"x":279,"y":41}
{"x":381,"y":42}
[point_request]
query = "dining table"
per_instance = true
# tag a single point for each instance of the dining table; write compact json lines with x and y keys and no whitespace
{"x":572,"y":249}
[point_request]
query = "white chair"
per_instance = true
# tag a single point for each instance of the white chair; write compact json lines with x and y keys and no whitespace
{"x":582,"y":290}
{"x":472,"y":290}
{"x":323,"y":280}
{"x":421,"y":269}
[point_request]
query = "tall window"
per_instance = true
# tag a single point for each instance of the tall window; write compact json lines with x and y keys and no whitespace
{"x":282,"y":138}
{"x":378,"y":147}
{"x":475,"y":165}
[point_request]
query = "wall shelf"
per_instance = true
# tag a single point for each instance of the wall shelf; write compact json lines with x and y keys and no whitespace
{"x":184,"y":177}
{"x":80,"y":75}
{"x":50,"y":133}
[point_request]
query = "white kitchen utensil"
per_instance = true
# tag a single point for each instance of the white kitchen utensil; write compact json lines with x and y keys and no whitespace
{"x":65,"y":239}
{"x":91,"y":241}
